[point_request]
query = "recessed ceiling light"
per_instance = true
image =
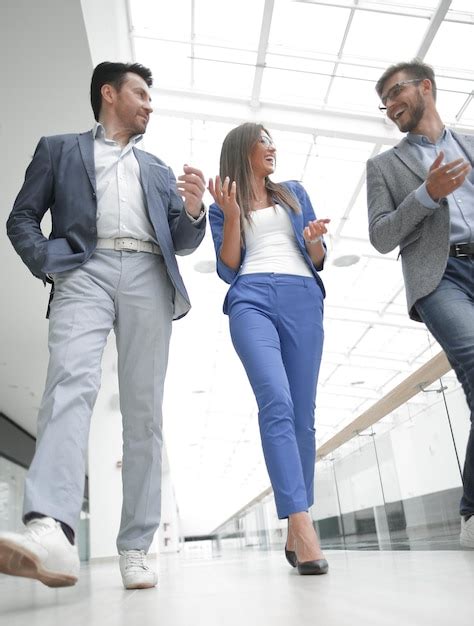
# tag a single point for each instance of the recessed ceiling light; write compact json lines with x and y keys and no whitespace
{"x":205,"y":267}
{"x":346,"y":259}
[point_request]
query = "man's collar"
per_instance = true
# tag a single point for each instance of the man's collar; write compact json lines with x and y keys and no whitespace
{"x":98,"y":132}
{"x":422,"y":140}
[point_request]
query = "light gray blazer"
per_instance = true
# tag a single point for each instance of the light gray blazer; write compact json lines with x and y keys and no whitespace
{"x":396,"y":218}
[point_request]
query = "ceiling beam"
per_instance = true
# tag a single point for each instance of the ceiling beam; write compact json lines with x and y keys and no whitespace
{"x":262,"y":52}
{"x":433,"y":27}
{"x":461,"y":17}
{"x":299,"y":119}
{"x":311,"y":120}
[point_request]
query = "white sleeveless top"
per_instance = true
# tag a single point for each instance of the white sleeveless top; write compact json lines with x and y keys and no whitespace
{"x":271,"y":245}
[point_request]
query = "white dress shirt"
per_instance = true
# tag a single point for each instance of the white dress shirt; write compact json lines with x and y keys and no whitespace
{"x":121,"y":208}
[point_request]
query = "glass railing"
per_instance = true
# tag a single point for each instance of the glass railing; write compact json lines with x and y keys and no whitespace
{"x":391,"y":479}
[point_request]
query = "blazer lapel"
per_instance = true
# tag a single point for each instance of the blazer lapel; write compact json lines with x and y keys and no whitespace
{"x":144,"y":167}
{"x":153,"y":178}
{"x":86,"y":146}
{"x":405,"y":154}
{"x":467,"y":144}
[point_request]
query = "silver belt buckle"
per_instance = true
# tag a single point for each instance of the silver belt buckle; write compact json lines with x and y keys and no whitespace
{"x":460,"y":254}
{"x":126,"y":243}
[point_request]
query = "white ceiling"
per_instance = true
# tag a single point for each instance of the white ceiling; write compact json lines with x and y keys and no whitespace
{"x":307,"y":71}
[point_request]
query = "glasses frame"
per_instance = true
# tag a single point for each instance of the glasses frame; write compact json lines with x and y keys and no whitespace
{"x":398,"y":91}
{"x":266,"y":141}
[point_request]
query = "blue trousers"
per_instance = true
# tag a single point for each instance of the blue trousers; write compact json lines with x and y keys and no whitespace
{"x":448,"y":312}
{"x":276,"y":324}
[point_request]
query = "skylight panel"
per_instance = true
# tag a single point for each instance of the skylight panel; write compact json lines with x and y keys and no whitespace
{"x":384,"y":37}
{"x":302,"y":25}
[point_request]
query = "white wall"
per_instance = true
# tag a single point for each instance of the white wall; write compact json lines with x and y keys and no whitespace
{"x":44,"y":90}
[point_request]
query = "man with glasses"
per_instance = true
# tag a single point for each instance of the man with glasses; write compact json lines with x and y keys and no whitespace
{"x":421,"y":198}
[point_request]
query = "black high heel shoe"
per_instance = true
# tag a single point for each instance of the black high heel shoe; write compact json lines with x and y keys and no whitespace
{"x":291,"y":557}
{"x":310,"y":568}
{"x":290,"y":554}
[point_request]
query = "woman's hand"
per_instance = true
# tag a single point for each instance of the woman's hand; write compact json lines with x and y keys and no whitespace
{"x":225,"y":196}
{"x":314,"y":231}
{"x":312,"y":235}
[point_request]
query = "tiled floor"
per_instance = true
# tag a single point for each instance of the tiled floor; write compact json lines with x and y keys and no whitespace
{"x":253,"y":588}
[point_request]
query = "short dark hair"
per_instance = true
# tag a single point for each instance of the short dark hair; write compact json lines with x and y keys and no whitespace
{"x":413,"y":69}
{"x":108,"y":73}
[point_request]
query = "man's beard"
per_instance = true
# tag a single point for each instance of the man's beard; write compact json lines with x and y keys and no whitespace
{"x":415,"y":116}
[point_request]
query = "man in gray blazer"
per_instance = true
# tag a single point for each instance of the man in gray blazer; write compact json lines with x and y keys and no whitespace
{"x":421,"y":198}
{"x":118,"y":219}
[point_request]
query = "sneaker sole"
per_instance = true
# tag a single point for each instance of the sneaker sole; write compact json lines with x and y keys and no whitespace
{"x":18,"y":561}
{"x":140,"y":586}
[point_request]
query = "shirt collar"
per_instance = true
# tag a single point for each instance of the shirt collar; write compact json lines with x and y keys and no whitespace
{"x":98,"y":132}
{"x":422,"y":140}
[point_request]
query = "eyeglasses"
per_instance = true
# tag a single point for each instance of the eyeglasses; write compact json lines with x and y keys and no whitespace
{"x":395,"y":91}
{"x":266,"y":141}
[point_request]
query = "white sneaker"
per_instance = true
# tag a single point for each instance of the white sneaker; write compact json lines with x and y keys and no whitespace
{"x":467,"y":532}
{"x":42,"y":552}
{"x":136,"y":574}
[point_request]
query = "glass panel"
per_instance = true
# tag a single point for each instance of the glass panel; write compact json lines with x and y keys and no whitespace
{"x":442,"y":52}
{"x":449,"y":105}
{"x":237,"y":23}
{"x":12,"y":479}
{"x":468,"y":115}
{"x":162,"y":19}
{"x":353,"y":94}
{"x":364,"y":522}
{"x":326,"y":511}
{"x":227,"y":79}
{"x":157,"y":54}
{"x":391,"y":36}
{"x":461,"y":5}
{"x":459,"y":414}
{"x":316,"y":27}
{"x":299,"y":63}
{"x":401,"y":4}
{"x":293,"y":87}
{"x":420,"y":473}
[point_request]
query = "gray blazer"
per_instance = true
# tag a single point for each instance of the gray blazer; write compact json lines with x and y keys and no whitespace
{"x":61,"y":178}
{"x":396,"y":218}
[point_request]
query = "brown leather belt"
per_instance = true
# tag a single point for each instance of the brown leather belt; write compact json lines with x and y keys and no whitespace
{"x":462,"y":250}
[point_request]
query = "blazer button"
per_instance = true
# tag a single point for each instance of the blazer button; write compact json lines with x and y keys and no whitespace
{"x":94,"y":195}
{"x":93,"y":229}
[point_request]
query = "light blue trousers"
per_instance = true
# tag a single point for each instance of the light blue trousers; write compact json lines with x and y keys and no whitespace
{"x":276,"y":323}
{"x":131,"y":293}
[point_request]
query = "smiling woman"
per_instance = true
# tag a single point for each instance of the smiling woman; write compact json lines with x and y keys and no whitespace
{"x":269,"y":246}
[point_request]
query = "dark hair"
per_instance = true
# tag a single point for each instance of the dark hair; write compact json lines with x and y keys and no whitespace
{"x":413,"y":69}
{"x":235,"y":163}
{"x":108,"y":73}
